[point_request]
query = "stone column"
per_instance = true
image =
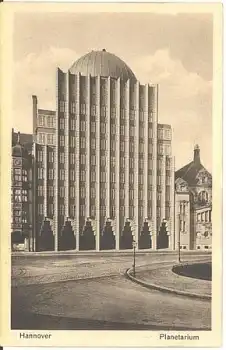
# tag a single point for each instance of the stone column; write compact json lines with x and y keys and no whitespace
{"x":98,"y":166}
{"x":136,"y":162}
{"x":117,"y":166}
{"x":154,"y":106}
{"x":77,"y":163}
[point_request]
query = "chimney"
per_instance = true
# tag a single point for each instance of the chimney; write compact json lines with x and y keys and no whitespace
{"x":35,"y":114}
{"x":197,"y":154}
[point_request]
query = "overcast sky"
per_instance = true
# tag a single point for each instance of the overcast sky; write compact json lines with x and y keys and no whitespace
{"x":174,"y":51}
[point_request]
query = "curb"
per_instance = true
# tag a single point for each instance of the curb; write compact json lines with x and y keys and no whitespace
{"x":126,"y":252}
{"x":165,"y":289}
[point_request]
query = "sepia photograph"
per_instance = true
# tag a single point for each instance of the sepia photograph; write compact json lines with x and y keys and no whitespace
{"x":111,"y":164}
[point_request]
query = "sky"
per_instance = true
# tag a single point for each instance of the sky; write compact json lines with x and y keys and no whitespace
{"x":174,"y":51}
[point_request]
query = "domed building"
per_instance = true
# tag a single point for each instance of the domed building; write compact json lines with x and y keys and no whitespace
{"x":104,"y":64}
{"x":104,"y":171}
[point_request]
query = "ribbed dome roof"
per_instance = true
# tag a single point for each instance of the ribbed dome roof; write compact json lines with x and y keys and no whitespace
{"x":102,"y":63}
{"x":19,"y":151}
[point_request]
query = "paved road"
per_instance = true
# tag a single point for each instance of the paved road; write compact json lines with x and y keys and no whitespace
{"x":91,"y":292}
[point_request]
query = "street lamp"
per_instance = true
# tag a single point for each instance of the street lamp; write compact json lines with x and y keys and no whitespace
{"x":179,"y":259}
{"x":134,"y":257}
{"x":180,"y":216}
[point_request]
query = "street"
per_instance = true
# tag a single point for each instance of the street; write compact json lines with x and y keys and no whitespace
{"x":92,"y":292}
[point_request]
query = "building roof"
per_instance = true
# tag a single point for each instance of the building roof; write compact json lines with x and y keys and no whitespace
{"x":190,"y":171}
{"x":25,"y":140}
{"x":102,"y":63}
{"x":46,"y":111}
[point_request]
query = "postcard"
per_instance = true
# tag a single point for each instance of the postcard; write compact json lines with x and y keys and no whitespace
{"x":111,"y":174}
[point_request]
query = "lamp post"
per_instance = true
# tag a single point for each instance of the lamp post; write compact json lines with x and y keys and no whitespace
{"x":134,"y":257}
{"x":181,"y":216}
{"x":179,"y":259}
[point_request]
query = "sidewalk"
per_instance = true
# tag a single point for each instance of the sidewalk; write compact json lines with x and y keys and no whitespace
{"x":164,"y":279}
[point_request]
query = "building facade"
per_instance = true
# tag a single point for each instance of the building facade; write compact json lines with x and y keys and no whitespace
{"x":21,"y":193}
{"x":193,"y":205}
{"x":104,"y":172}
{"x":101,"y":172}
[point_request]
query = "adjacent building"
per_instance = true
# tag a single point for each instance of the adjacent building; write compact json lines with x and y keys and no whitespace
{"x":193,"y":205}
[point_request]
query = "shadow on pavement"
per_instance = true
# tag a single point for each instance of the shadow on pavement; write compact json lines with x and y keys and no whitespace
{"x":30,"y":321}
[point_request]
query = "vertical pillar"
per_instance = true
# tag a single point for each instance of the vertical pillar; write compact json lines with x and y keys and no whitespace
{"x":136,"y":161}
{"x":88,"y":160}
{"x":127,"y":127}
{"x":34,"y":198}
{"x":45,"y":182}
{"x":98,"y":166}
{"x":56,"y":161}
{"x":154,"y":107}
{"x":108,"y":150}
{"x":66,"y":149}
{"x":146,"y":150}
{"x":117,"y":166}
{"x":77,"y":162}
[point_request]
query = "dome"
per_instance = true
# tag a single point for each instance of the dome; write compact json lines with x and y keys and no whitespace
{"x":18,"y":150}
{"x":102,"y":63}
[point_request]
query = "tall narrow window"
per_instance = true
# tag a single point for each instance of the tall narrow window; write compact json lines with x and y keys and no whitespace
{"x":72,"y":141}
{"x":41,"y":120}
{"x":83,"y":175}
{"x":50,"y":121}
{"x":102,"y":127}
{"x":72,"y":158}
{"x":73,"y":107}
{"x":72,"y":124}
{"x":50,"y":139}
{"x":51,"y":156}
{"x":24,"y":196}
{"x":72,"y":175}
{"x":93,"y":160}
{"x":40,"y":156}
{"x":62,"y":123}
{"x":50,"y":191}
{"x":93,"y":143}
{"x":83,"y":159}
{"x":83,"y":125}
{"x":61,"y":207}
{"x":82,"y":142}
{"x":24,"y":174}
{"x":62,"y":174}
{"x":61,"y":140}
{"x":41,"y":138}
{"x":40,"y":173}
{"x":17,"y":174}
{"x":93,"y":126}
{"x":51,"y":174}
{"x":62,"y":191}
{"x":62,"y":158}
{"x":103,"y":161}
